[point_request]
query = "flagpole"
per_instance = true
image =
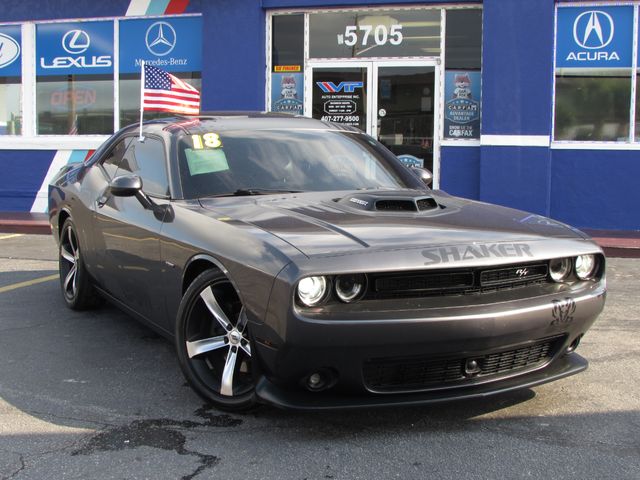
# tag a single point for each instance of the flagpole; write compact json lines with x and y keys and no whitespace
{"x":141,"y":97}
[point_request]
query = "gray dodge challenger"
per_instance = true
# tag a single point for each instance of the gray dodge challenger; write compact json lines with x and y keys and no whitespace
{"x":300,"y":264}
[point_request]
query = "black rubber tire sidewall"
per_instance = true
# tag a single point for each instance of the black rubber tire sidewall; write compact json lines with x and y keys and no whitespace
{"x":239,"y":403}
{"x":85,"y":296}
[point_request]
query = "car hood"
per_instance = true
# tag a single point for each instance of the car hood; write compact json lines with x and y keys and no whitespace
{"x":322,"y":223}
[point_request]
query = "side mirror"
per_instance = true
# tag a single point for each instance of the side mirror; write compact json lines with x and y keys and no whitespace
{"x":423,"y":174}
{"x":125,"y":185}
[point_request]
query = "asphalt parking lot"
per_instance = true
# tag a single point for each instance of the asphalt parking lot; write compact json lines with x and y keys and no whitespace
{"x":97,"y":395}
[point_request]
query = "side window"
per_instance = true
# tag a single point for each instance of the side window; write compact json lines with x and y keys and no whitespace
{"x":147,"y":160}
{"x":112,"y":161}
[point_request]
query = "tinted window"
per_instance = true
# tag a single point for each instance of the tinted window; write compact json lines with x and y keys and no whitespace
{"x":464,"y":39}
{"x":147,"y":160}
{"x":592,"y":107}
{"x":112,"y":161}
{"x":288,"y":40}
{"x":301,"y":160}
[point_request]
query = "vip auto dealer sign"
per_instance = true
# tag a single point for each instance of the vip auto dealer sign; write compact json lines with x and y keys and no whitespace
{"x":594,"y":37}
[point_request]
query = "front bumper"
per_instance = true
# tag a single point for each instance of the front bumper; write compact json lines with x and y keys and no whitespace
{"x":292,"y":345}
{"x":270,"y":393}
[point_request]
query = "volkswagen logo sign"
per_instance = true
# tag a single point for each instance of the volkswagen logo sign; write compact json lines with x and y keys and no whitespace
{"x":160,"y":38}
{"x":593,"y":29}
{"x":76,"y":41}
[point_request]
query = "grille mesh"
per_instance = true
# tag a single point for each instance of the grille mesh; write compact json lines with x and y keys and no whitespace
{"x":424,"y":373}
{"x":454,"y":282}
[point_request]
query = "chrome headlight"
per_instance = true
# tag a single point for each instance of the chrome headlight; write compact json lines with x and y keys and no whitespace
{"x":585,"y":266}
{"x":350,"y":287}
{"x":559,"y":269}
{"x":312,"y":290}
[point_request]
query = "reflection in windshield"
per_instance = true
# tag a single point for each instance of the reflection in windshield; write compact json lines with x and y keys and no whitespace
{"x":300,"y":160}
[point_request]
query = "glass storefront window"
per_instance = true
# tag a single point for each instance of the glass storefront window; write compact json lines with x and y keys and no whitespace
{"x":173,"y":44}
{"x":287,"y":63}
{"x":375,"y":33}
{"x":593,"y":76}
{"x":287,"y":42}
{"x":593,"y":106}
{"x":10,"y":80}
{"x":74,"y":78}
{"x":10,"y":111}
{"x":463,"y":39}
{"x":463,"y":60}
{"x":74,"y":105}
{"x":130,"y":97}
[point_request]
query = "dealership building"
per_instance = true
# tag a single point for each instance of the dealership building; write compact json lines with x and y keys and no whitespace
{"x":529,"y":104}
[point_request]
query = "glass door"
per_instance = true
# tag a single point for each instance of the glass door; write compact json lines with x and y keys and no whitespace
{"x":404,"y":111}
{"x":393,"y":101}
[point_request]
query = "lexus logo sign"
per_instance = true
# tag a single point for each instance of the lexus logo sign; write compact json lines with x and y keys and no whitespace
{"x":593,"y":29}
{"x":76,"y":42}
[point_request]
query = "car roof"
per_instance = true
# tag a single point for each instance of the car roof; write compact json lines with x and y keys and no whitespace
{"x":236,"y":120}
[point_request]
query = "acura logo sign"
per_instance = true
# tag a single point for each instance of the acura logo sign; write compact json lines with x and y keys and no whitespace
{"x":76,"y":42}
{"x":593,"y":29}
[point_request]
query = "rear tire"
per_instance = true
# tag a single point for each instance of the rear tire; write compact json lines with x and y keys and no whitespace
{"x":77,"y":291}
{"x":213,"y":344}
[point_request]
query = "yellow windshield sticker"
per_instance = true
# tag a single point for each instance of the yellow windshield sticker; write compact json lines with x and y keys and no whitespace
{"x":208,"y":140}
{"x":206,"y":161}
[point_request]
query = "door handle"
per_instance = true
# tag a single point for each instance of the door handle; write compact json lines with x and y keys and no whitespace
{"x":102,"y":201}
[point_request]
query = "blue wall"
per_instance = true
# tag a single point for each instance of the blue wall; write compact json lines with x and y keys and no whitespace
{"x":460,"y":171}
{"x":517,"y":67}
{"x":234,"y":58}
{"x":516,"y":176}
{"x":517,"y":76}
{"x":596,"y":188}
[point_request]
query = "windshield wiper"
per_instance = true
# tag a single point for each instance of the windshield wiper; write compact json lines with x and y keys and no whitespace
{"x":242,"y":192}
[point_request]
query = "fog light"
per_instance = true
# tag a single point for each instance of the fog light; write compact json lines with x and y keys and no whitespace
{"x":350,"y":287}
{"x":585,"y":266}
{"x":574,"y":344}
{"x":315,"y":380}
{"x":312,"y":290}
{"x":559,"y":269}
{"x":322,"y":379}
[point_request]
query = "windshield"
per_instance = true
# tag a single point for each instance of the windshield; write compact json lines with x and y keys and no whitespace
{"x":278,"y":160}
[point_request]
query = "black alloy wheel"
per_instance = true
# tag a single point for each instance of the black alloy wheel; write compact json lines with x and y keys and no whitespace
{"x":77,"y":291}
{"x":213,"y":345}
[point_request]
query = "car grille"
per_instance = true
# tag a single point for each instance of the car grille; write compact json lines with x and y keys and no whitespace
{"x":455,"y":282}
{"x":424,"y":373}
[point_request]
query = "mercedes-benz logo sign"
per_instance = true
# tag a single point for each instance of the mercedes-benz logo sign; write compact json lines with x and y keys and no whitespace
{"x":76,"y":41}
{"x":160,"y":38}
{"x":593,"y":29}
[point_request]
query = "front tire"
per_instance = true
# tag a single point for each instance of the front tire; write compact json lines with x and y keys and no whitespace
{"x":213,"y":345}
{"x":77,"y":291}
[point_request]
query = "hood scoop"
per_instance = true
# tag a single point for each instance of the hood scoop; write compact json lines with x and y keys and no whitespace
{"x":389,"y":202}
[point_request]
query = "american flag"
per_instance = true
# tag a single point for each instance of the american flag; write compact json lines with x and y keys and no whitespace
{"x":164,"y":92}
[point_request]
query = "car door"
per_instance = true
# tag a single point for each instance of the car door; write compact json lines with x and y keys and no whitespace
{"x":129,"y":231}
